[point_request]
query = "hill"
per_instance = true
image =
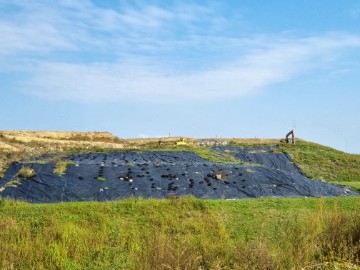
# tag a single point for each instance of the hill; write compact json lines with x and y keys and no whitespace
{"x":181,"y":233}
{"x":65,"y":166}
{"x":316,"y":161}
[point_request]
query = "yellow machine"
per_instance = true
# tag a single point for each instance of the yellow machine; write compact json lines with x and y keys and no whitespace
{"x":182,"y":141}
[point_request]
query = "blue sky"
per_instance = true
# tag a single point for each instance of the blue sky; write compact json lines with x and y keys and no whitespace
{"x":185,"y":68}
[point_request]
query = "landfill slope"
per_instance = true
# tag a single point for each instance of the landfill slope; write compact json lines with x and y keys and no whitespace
{"x":110,"y":176}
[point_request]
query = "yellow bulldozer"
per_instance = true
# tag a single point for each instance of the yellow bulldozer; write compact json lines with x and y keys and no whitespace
{"x":183,"y":141}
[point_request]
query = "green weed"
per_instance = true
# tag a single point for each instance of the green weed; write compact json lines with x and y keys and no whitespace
{"x":26,"y":172}
{"x":60,"y":167}
{"x":12,"y":183}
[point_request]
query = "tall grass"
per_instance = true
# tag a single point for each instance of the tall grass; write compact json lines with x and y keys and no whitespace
{"x":184,"y":233}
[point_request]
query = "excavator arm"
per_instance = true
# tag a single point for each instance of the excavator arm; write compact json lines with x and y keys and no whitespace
{"x":292,"y":137}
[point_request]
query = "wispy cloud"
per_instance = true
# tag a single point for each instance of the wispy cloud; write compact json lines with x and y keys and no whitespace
{"x":85,"y":53}
{"x":276,"y":62}
{"x":69,"y":25}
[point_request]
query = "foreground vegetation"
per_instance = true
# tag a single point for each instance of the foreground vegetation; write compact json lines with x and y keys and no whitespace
{"x":182,"y":233}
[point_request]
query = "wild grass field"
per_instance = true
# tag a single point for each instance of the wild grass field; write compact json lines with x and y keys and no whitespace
{"x":183,"y":233}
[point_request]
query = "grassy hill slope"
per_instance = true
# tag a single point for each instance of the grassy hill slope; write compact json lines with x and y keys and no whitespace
{"x":324,"y":163}
{"x":185,"y":233}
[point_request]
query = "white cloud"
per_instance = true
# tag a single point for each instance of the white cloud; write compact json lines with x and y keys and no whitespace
{"x":151,"y":52}
{"x":38,"y":26}
{"x":279,"y":61}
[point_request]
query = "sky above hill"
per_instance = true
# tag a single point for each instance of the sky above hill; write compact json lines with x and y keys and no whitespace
{"x":183,"y":68}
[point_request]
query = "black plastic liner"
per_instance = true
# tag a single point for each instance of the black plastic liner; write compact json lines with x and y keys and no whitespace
{"x":116,"y":175}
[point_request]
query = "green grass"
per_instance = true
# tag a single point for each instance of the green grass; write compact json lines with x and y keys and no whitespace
{"x":217,"y":157}
{"x":354,"y":185}
{"x":324,"y":163}
{"x":12,"y":183}
{"x":204,"y":153}
{"x":60,"y":167}
{"x":26,"y":172}
{"x":184,"y":233}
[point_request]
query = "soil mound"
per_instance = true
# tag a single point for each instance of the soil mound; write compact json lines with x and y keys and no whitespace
{"x":110,"y":176}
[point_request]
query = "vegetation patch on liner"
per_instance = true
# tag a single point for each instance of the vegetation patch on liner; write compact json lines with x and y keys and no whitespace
{"x":26,"y":172}
{"x":13,"y":183}
{"x":60,"y":167}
